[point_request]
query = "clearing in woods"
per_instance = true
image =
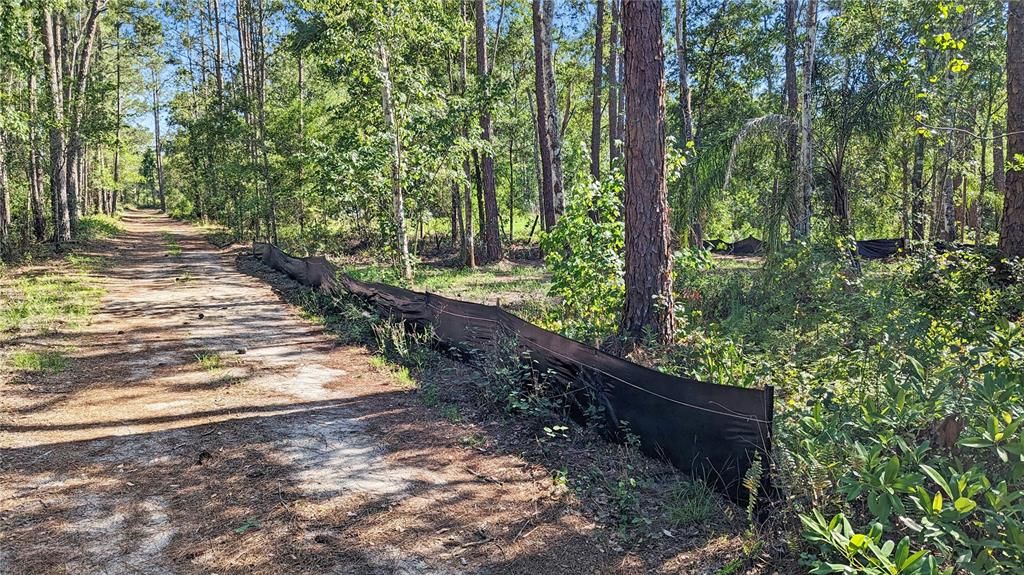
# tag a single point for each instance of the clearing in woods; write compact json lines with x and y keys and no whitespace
{"x":201,"y":425}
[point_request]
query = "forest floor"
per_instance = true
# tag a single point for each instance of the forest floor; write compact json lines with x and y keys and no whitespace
{"x":198,"y":423}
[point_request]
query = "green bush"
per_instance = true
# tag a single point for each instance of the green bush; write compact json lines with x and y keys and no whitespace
{"x":584,"y":254}
{"x":98,"y":226}
{"x":900,"y":391}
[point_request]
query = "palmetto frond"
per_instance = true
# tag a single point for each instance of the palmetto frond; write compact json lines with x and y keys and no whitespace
{"x":778,"y":125}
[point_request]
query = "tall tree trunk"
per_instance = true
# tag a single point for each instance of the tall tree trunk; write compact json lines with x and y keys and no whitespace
{"x":158,"y":148}
{"x":117,"y":117}
{"x":478,"y":181}
{"x":5,"y":200}
{"x":792,"y":108}
{"x":595,"y":121}
{"x":537,"y":164}
{"x":697,"y":216}
{"x":905,"y":208}
{"x":998,"y":162}
{"x":58,"y":171}
{"x":554,"y":126}
{"x":614,"y":136}
{"x":492,"y":233}
{"x":982,"y":184}
{"x":387,"y":102}
{"x":950,"y":180}
{"x":648,"y":305}
{"x":917,"y":185}
{"x":76,"y":102}
{"x":543,"y":131}
{"x":218,"y":58}
{"x":1011,"y":228}
{"x":467,"y":211}
{"x":511,"y":187}
{"x":260,"y":83}
{"x":35,"y":162}
{"x":806,"y":170}
{"x":684,"y":74}
{"x":73,"y":163}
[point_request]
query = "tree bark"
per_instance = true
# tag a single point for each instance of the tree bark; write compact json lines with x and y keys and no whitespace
{"x":467,"y":211}
{"x":905,"y":207}
{"x":806,"y":163}
{"x":1011,"y":228}
{"x":686,"y":112}
{"x":35,"y":162}
{"x":614,"y":150}
{"x":401,"y":238}
{"x":5,"y":200}
{"x":982,"y":185}
{"x":792,"y":108}
{"x":76,"y":103}
{"x":158,"y":147}
{"x":492,"y":233}
{"x":218,"y":58}
{"x":117,"y":110}
{"x":998,"y":163}
{"x":537,"y":164}
{"x":58,"y":170}
{"x":554,"y":126}
{"x":917,"y":184}
{"x":595,"y":121}
{"x":543,"y":132}
{"x":950,"y":181}
{"x":648,"y":304}
{"x":684,"y":74}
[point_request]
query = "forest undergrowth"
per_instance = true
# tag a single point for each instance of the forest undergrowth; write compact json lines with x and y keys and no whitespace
{"x":900,"y":388}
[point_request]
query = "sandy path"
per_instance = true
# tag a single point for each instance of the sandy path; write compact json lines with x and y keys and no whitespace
{"x":288,"y":454}
{"x":99,"y":460}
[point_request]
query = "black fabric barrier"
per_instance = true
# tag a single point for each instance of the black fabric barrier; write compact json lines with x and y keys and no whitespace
{"x":880,"y":249}
{"x":713,"y":432}
{"x":748,"y":246}
{"x":751,"y":246}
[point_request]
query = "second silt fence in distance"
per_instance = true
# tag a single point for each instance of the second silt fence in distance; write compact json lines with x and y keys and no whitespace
{"x":714,"y":432}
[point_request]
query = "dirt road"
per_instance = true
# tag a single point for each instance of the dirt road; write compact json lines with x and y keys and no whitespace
{"x":204,"y":426}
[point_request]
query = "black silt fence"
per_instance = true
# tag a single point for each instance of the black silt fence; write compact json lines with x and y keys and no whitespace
{"x":713,"y":432}
{"x":880,"y":249}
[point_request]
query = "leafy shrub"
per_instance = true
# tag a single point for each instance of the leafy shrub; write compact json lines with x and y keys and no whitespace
{"x":98,"y":226}
{"x":935,"y":456}
{"x":584,"y":254}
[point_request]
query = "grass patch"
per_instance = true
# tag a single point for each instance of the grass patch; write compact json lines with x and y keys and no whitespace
{"x":42,"y":303}
{"x":519,"y":288}
{"x":40,"y":361}
{"x":451,"y":413}
{"x":691,"y":503}
{"x":219,"y":237}
{"x":429,"y":395}
{"x":209,"y":361}
{"x":403,"y":377}
{"x":173,"y":247}
{"x":98,"y":226}
{"x":86,"y":263}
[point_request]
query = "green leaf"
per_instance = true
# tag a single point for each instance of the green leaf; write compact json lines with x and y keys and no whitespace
{"x":964,"y":505}
{"x":892,"y":468}
{"x":937,"y":478}
{"x":975,"y":442}
{"x":937,"y":502}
